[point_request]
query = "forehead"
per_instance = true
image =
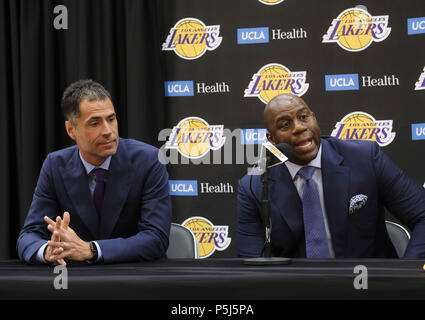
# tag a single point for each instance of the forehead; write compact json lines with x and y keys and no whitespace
{"x":287,"y":107}
{"x":91,"y":108}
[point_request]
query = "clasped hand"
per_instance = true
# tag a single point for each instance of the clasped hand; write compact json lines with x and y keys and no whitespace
{"x":65,"y":243}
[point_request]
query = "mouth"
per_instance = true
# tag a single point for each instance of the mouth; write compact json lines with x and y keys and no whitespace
{"x":107,"y":143}
{"x":304,"y":146}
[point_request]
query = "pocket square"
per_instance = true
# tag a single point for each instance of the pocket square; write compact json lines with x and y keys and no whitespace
{"x":357,"y":202}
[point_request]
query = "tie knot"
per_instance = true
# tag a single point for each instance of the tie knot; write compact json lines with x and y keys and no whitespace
{"x":306,"y":172}
{"x":100,"y":173}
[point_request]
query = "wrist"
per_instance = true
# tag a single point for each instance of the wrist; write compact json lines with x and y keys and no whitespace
{"x":93,"y":254}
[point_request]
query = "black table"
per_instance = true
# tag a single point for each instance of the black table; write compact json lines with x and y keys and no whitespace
{"x":217,"y":279}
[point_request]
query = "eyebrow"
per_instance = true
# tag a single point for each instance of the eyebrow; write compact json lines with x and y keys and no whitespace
{"x":284,"y":116}
{"x":94,"y":118}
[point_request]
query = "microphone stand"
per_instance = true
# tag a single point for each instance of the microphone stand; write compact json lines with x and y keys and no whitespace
{"x":267,"y":259}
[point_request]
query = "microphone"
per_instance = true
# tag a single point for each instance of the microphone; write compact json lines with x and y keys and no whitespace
{"x":273,"y":159}
{"x":274,"y":155}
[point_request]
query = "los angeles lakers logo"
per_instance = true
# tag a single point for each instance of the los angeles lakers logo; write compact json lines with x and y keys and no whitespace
{"x":355,"y":29}
{"x":271,"y":2}
{"x":210,"y":237}
{"x":420,"y":84}
{"x":274,"y":79}
{"x":362,"y":126}
{"x":191,"y":38}
{"x":193,"y":137}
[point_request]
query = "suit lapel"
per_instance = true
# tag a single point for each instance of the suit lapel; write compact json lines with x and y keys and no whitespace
{"x":76,"y":184}
{"x":336,"y":179}
{"x":117,"y":187}
{"x":287,"y":202}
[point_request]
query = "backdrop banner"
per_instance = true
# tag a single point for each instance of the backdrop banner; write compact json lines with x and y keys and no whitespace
{"x":193,"y":77}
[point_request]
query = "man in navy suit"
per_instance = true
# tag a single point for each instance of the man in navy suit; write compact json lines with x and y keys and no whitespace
{"x":353,"y":181}
{"x":105,"y":199}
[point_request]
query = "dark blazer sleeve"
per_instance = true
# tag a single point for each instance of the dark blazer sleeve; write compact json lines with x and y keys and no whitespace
{"x":34,"y":232}
{"x":151,"y":240}
{"x":404,"y":198}
{"x":250,"y":231}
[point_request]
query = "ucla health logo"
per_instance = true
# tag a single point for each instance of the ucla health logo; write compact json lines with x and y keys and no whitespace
{"x":210,"y":237}
{"x":416,"y":25}
{"x":339,"y":82}
{"x":355,"y":29}
{"x":274,"y":79}
{"x":190,"y":38}
{"x":178,"y":88}
{"x":193,"y":137}
{"x":253,"y":35}
{"x":271,"y":2}
{"x":418,"y":131}
{"x":362,"y":126}
{"x":183,"y":187}
{"x":420,"y":84}
{"x":253,"y":136}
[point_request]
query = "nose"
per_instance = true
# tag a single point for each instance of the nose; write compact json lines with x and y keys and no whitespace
{"x":106,"y":129}
{"x":299,"y":126}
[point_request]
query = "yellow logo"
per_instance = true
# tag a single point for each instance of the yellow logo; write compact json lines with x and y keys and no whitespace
{"x":210,"y":237}
{"x":362,"y":126}
{"x":355,"y":29}
{"x":274,"y":79}
{"x":271,"y":2}
{"x":190,"y":38}
{"x":193,"y":137}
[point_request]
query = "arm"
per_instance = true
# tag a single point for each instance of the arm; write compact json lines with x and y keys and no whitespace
{"x":34,"y":233}
{"x":151,"y":240}
{"x":404,"y":198}
{"x":250,"y":233}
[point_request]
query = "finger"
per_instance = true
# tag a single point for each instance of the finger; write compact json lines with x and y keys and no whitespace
{"x":58,"y":223}
{"x":62,"y":262}
{"x":55,"y":244}
{"x":56,"y":236}
{"x":49,"y":221}
{"x":57,"y":257}
{"x":66,"y":220}
{"x":50,"y":228}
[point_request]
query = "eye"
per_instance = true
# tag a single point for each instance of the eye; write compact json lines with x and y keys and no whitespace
{"x":285,"y":124}
{"x":304,"y":116}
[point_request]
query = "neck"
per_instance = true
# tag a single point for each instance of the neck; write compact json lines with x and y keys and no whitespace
{"x":96,"y":161}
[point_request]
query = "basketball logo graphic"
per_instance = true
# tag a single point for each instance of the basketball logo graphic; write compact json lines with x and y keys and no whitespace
{"x":191,"y":38}
{"x":193,"y":137}
{"x":420,"y":84}
{"x":271,"y":2}
{"x":274,"y":79}
{"x":210,"y":237}
{"x":355,"y":29}
{"x":362,"y":126}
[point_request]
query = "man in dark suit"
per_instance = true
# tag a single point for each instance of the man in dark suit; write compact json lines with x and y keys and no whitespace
{"x":328,"y":200}
{"x":105,"y":199}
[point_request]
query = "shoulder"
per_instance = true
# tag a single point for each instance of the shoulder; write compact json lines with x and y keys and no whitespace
{"x":137,"y":150}
{"x":62,"y":156}
{"x":347,"y":147}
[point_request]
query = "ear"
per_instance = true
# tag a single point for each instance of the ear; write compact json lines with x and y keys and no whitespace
{"x":270,"y":137}
{"x":70,"y":130}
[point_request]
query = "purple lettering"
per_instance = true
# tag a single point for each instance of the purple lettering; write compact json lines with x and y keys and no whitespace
{"x":331,"y":37}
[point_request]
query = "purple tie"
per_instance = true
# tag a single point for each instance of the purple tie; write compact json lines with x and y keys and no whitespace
{"x":314,"y":224}
{"x":99,"y":190}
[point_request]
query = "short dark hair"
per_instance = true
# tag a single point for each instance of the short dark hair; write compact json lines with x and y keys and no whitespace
{"x":76,"y":92}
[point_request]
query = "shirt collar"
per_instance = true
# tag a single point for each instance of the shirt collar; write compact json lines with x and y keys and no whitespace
{"x":316,"y":162}
{"x":89,"y":167}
